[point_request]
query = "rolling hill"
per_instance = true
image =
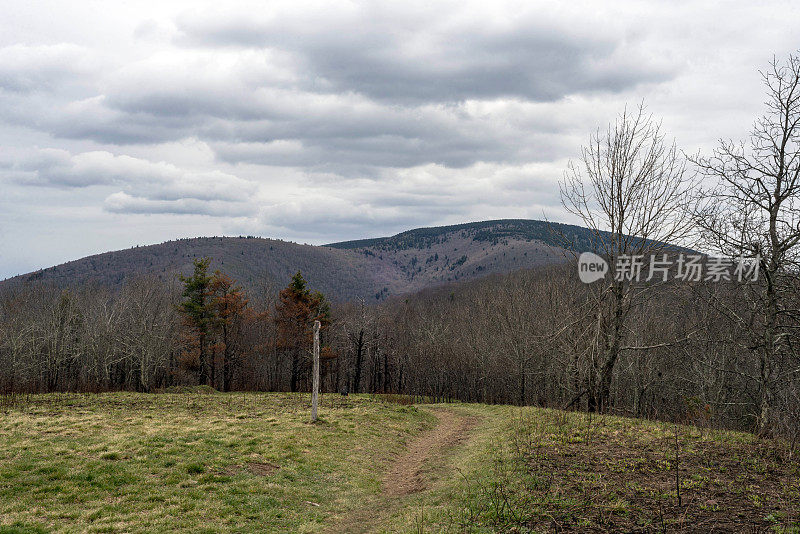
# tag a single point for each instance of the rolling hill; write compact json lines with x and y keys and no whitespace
{"x":370,"y":268}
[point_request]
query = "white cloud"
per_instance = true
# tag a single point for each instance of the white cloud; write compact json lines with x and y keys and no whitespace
{"x":122,"y":202}
{"x":27,"y":68}
{"x":154,"y":184}
{"x":331,"y":121}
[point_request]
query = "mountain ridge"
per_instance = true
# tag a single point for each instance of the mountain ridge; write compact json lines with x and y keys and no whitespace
{"x":359,"y":269}
{"x":548,"y":232}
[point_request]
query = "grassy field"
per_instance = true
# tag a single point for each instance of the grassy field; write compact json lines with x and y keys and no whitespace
{"x":191,"y":462}
{"x":537,"y":470}
{"x":198,"y":463}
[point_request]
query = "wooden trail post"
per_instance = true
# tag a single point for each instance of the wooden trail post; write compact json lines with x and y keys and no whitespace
{"x":315,"y":386}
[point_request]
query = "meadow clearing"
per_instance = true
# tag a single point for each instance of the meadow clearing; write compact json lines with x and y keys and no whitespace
{"x":251,"y":462}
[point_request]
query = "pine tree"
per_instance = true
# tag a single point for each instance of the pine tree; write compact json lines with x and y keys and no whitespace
{"x":198,"y":315}
{"x":296,"y":312}
{"x":229,"y":306}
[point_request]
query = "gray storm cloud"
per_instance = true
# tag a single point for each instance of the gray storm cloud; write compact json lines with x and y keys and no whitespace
{"x":391,"y":54}
{"x":146,"y":180}
{"x":365,"y":118}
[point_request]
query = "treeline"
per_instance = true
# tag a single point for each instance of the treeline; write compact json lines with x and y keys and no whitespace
{"x":530,"y":338}
{"x":150,"y":335}
{"x":524,"y":338}
{"x":483,"y":231}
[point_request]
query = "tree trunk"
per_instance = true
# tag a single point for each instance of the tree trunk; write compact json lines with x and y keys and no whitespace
{"x":226,"y":360}
{"x":202,"y":377}
{"x":359,"y":358}
{"x":295,"y":372}
{"x":385,"y":372}
{"x":315,"y":375}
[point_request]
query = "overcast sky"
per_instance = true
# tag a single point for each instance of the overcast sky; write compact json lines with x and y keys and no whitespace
{"x":319,"y":122}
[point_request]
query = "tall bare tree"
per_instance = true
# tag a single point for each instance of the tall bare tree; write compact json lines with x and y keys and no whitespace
{"x":631,"y":189}
{"x":753,"y":210}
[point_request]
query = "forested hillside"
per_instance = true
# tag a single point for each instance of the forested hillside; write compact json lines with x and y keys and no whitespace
{"x":254,"y":262}
{"x":369,"y":269}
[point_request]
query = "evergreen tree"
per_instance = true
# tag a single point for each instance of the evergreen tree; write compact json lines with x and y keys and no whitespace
{"x":229,"y":306}
{"x":296,"y":312}
{"x":198,"y":316}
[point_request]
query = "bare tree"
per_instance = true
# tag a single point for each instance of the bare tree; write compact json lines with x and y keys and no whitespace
{"x":631,"y":189}
{"x":753,"y":210}
{"x":359,"y":327}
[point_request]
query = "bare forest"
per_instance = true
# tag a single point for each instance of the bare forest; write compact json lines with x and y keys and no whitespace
{"x":718,"y":353}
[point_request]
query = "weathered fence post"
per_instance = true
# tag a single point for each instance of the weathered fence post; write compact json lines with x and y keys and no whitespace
{"x":315,"y":387}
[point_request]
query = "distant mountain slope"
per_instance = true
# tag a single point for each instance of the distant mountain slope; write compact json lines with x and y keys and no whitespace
{"x":548,"y":233}
{"x":430,"y":256}
{"x":371,"y":268}
{"x":253,"y":262}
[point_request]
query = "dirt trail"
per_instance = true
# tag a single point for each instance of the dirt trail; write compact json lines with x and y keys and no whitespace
{"x":409,"y":473}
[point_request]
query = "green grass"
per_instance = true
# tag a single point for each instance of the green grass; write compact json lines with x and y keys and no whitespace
{"x":199,"y":462}
{"x":537,"y":470}
{"x":192,"y":462}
